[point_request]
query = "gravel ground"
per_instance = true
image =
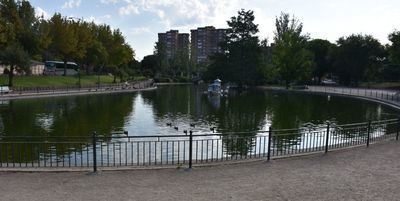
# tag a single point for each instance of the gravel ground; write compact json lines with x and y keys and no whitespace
{"x":354,"y":174}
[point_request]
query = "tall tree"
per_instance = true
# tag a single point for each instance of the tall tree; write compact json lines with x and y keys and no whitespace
{"x":391,"y":67}
{"x":9,"y":22}
{"x":357,"y":58}
{"x":64,"y":43}
{"x":16,"y":58}
{"x":162,"y":61}
{"x":240,"y":61}
{"x":149,"y":65}
{"x":322,"y":50}
{"x":292,"y":61}
{"x":394,"y":48}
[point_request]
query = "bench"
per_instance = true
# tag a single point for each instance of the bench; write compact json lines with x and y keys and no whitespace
{"x":4,"y":89}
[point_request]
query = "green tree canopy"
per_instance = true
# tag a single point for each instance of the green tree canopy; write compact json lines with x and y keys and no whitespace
{"x":64,"y":43}
{"x":322,"y":50}
{"x":241,"y":59}
{"x":394,"y":48}
{"x":292,"y":61}
{"x":16,"y":58}
{"x":357,"y":58}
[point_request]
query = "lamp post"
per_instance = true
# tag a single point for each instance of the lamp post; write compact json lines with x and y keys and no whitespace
{"x":98,"y":77}
{"x":79,"y":78}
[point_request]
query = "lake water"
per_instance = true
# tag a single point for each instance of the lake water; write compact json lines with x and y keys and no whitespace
{"x":149,"y":112}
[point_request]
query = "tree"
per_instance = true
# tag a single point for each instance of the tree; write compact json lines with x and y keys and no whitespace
{"x":149,"y":65}
{"x":292,"y":61}
{"x":391,"y":66}
{"x":16,"y":58}
{"x":394,"y":49}
{"x":357,"y":58}
{"x":97,"y":55}
{"x":162,"y":61}
{"x":26,"y":34}
{"x":322,"y":50}
{"x":85,"y":39}
{"x":64,"y":43}
{"x":9,"y":21}
{"x":240,"y":61}
{"x":121,"y":53}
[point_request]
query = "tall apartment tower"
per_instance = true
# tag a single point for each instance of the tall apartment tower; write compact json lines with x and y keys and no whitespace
{"x":205,"y":41}
{"x":174,"y":42}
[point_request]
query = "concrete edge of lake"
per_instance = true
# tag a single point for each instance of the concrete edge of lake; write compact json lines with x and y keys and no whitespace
{"x":392,"y":104}
{"x":6,"y":97}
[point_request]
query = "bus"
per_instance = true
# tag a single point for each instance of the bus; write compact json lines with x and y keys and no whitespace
{"x":57,"y":68}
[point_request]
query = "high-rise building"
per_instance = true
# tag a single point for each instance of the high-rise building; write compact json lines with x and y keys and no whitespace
{"x":183,"y":44}
{"x":205,"y":41}
{"x":174,"y":42}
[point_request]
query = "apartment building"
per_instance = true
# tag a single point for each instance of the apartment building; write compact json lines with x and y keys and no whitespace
{"x":205,"y":41}
{"x":174,"y":42}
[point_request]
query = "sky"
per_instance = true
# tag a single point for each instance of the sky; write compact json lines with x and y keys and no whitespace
{"x":141,"y":20}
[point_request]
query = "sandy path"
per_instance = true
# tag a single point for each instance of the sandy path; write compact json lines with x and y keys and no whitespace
{"x":355,"y":174}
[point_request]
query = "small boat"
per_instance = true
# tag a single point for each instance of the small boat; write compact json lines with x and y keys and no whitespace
{"x":215,"y":88}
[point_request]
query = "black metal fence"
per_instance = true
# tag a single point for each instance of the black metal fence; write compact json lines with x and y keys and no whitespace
{"x":386,"y":95}
{"x":76,"y":88}
{"x":178,"y":150}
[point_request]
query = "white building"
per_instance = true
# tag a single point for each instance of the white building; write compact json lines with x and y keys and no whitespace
{"x":36,"y":68}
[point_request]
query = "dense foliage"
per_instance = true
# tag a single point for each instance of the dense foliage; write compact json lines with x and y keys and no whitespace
{"x":243,"y":58}
{"x":292,"y":61}
{"x":94,"y":47}
{"x":292,"y":57}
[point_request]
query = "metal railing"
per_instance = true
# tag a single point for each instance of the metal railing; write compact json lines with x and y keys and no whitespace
{"x":120,"y":150}
{"x":391,"y":96}
{"x":15,"y":91}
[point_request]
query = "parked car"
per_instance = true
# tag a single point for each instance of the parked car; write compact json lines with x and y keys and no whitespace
{"x":328,"y":82}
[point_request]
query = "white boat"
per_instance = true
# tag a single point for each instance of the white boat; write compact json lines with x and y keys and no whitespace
{"x":215,"y":88}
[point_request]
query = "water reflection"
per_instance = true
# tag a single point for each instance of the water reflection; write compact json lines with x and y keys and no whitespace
{"x":187,"y":108}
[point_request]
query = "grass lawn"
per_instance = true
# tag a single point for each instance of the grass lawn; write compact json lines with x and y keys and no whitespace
{"x":56,"y":81}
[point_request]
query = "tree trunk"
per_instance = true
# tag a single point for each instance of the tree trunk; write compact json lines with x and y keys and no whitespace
{"x":11,"y":76}
{"x":65,"y":67}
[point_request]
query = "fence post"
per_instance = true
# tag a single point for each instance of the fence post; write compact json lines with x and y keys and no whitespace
{"x":269,"y":144}
{"x":94,"y":153}
{"x":190,"y":148}
{"x":368,"y":132}
{"x":327,"y":137}
{"x":398,"y":127}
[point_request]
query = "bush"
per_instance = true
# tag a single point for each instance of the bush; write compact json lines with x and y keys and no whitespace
{"x":163,"y":79}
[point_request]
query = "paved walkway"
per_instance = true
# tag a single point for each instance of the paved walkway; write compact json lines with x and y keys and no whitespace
{"x":53,"y":92}
{"x":390,"y":97}
{"x":354,"y":174}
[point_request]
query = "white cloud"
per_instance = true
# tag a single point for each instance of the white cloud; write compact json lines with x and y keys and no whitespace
{"x":106,"y":16}
{"x":178,"y":13}
{"x":128,"y":10}
{"x":109,"y":1}
{"x":140,"y":30}
{"x":41,"y":13}
{"x":71,"y":4}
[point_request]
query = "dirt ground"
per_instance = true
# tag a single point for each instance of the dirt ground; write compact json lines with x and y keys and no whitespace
{"x":355,"y":174}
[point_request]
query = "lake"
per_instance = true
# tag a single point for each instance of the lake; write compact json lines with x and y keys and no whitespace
{"x":186,"y":107}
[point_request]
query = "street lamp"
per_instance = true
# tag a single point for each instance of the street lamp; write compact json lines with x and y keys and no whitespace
{"x":98,"y":76}
{"x":79,"y":78}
